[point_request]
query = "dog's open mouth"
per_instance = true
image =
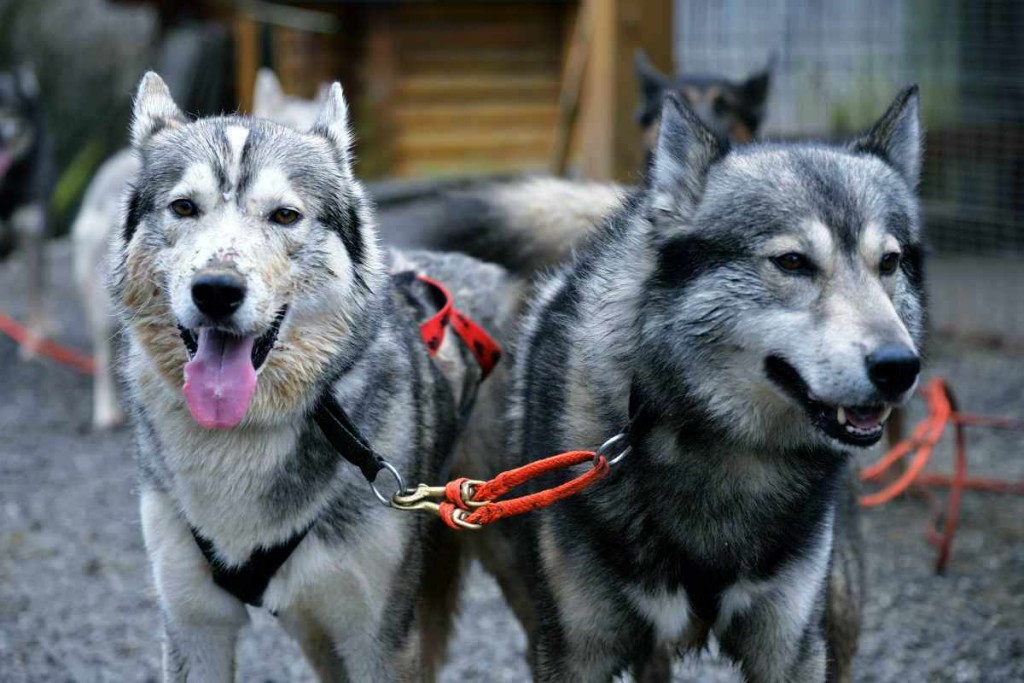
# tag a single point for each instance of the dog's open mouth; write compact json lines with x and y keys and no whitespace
{"x":854,"y":425}
{"x":220,"y":376}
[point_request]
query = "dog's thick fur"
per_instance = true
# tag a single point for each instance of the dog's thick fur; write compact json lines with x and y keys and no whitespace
{"x":26,"y":178}
{"x":101,"y":213}
{"x":357,"y":593}
{"x":721,"y":317}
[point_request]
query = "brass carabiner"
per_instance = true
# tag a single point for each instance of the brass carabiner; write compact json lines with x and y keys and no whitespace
{"x":429,"y":498}
{"x":415,"y":499}
{"x":468,"y":490}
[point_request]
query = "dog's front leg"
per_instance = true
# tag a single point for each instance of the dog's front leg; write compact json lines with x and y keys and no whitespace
{"x":29,"y":224}
{"x":774,"y":630}
{"x":201,"y":621}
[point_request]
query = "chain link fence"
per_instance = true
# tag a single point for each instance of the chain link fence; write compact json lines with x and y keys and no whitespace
{"x":838,"y":64}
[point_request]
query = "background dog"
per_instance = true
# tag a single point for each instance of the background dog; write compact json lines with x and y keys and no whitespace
{"x":248,"y":264}
{"x":732,"y":109}
{"x":747,"y":318}
{"x":26,"y":178}
{"x":100,"y":214}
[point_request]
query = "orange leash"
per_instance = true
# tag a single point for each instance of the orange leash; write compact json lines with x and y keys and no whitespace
{"x":941,"y":413}
{"x":483,"y":508}
{"x":55,"y":352}
{"x":470,"y":504}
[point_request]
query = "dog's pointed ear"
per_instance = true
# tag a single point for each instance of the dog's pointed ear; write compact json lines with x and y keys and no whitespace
{"x":651,"y":85}
{"x":896,"y":138}
{"x":683,"y":154}
{"x":154,"y":109}
{"x":267,"y":93}
{"x":332,"y":122}
{"x":755,"y":88}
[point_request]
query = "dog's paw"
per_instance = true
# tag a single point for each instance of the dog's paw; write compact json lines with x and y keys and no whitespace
{"x":106,"y":418}
{"x":30,"y":347}
{"x":38,"y":328}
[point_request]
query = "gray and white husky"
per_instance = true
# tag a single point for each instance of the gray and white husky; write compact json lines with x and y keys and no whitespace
{"x":100,"y":214}
{"x":252,"y":289}
{"x":749,"y":317}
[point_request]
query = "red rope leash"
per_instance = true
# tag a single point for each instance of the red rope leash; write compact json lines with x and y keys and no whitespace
{"x":468,"y":504}
{"x":941,"y":413}
{"x":484,"y":508}
{"x":55,"y":352}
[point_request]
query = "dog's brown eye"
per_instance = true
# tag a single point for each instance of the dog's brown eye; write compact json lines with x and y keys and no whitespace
{"x":889,"y":263}
{"x":284,"y":216}
{"x":794,"y":263}
{"x":185,"y":208}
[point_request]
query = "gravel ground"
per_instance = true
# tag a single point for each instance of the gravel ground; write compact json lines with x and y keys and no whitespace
{"x":76,"y":604}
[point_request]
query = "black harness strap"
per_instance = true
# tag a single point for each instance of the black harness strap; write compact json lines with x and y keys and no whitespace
{"x":249,"y":581}
{"x":344,"y":436}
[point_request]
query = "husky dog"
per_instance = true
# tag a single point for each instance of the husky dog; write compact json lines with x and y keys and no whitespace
{"x":248,"y":265}
{"x":26,"y":176}
{"x":746,"y":319}
{"x":100,"y":214}
{"x":489,"y":222}
{"x":733,"y":109}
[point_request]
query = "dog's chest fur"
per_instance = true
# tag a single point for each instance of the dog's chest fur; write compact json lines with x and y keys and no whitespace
{"x":690,"y":525}
{"x":698,"y":522}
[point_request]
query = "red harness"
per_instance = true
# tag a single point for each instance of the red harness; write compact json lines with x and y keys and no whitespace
{"x":480,"y":344}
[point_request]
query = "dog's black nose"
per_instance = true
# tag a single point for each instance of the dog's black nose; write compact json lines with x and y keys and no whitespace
{"x":893,"y":368}
{"x":219,"y":294}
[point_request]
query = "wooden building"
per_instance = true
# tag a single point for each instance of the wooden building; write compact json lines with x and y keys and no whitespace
{"x":459,"y":87}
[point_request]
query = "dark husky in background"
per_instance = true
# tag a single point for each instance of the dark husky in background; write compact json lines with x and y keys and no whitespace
{"x":747,"y":318}
{"x":26,"y":178}
{"x":732,"y":109}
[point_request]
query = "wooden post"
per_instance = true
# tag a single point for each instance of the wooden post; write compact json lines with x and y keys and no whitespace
{"x":376,"y":122}
{"x":247,"y":60}
{"x":612,"y":146}
{"x":573,"y":73}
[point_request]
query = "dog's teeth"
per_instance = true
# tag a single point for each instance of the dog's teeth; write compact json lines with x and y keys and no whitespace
{"x":841,"y":415}
{"x":885,"y":414}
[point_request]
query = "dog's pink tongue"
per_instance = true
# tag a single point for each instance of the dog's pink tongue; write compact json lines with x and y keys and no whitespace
{"x":220,"y":380}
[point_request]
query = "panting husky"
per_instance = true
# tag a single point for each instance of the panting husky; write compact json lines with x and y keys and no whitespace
{"x":262,"y":320}
{"x":97,"y":222}
{"x":747,"y":318}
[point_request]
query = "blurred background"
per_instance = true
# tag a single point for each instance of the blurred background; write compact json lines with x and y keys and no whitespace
{"x":451,"y":92}
{"x":457,"y":89}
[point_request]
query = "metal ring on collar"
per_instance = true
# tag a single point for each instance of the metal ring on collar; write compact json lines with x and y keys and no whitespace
{"x":398,"y":480}
{"x":611,"y":444}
